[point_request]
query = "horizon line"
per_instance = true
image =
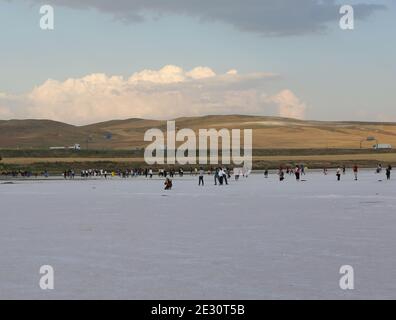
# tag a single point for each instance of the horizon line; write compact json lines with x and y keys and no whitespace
{"x":201,"y":117}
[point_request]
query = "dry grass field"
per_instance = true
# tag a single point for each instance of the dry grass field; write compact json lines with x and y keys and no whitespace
{"x":268,"y":132}
{"x":26,"y":143}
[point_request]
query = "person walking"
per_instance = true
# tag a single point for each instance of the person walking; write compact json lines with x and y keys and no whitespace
{"x":338,"y":174}
{"x":216,"y":176}
{"x":388,"y":172}
{"x":201,"y":177}
{"x":297,"y":173}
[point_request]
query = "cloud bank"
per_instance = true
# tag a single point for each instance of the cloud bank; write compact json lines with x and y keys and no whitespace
{"x":265,"y":17}
{"x":167,"y":93}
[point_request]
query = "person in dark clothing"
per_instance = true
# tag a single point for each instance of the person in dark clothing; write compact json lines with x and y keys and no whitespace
{"x":281,"y":175}
{"x":225,"y":174}
{"x":201,"y":177}
{"x":297,"y":173}
{"x":388,"y":172}
{"x":266,"y":174}
{"x":216,"y":176}
{"x":168,"y":184}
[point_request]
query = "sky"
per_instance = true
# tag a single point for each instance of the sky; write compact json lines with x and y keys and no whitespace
{"x":163,"y":59}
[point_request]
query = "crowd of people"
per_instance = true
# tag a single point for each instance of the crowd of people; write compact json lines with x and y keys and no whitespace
{"x":299,"y":171}
{"x":23,"y":174}
{"x":221,"y":175}
{"x":90,"y":173}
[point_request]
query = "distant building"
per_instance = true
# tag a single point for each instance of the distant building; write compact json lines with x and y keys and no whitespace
{"x":382,"y":146}
{"x":75,"y":147}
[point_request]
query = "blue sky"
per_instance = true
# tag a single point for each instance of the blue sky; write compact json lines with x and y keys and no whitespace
{"x":325,"y":74}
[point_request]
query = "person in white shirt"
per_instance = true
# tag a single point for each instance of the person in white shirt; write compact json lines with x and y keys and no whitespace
{"x":338,"y":174}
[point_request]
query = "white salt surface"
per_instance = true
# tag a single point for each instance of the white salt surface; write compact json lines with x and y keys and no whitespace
{"x":254,"y":239}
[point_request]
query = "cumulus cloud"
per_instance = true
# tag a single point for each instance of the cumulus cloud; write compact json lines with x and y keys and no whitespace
{"x":289,"y":105}
{"x":265,"y":17}
{"x":167,"y":93}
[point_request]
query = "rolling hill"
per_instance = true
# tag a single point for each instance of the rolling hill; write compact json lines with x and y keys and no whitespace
{"x":268,"y":132}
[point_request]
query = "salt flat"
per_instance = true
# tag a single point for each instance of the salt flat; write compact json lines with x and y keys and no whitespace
{"x":254,"y":239}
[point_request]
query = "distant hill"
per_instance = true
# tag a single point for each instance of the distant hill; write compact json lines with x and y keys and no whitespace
{"x":269,"y":132}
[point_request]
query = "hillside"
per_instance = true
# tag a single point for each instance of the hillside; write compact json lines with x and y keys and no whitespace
{"x":269,"y":132}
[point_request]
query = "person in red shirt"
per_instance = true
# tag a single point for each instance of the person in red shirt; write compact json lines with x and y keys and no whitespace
{"x":355,"y":171}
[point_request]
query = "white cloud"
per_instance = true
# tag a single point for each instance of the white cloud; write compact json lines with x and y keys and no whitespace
{"x":232,"y":72}
{"x":168,"y":74}
{"x":201,"y":73}
{"x":289,"y":105}
{"x":154,"y":94}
